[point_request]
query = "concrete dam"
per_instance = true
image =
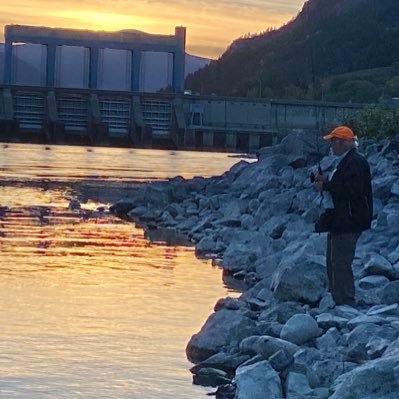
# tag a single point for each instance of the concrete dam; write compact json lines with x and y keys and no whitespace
{"x":50,"y":112}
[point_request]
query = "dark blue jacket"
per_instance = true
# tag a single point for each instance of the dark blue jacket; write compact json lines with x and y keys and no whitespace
{"x":351,"y":191}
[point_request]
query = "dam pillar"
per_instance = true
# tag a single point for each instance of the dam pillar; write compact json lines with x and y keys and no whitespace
{"x":254,"y":142}
{"x":231,"y":141}
{"x":8,"y":62}
{"x":136,"y":69}
{"x":93,"y":67}
{"x":50,"y":64}
{"x":208,"y":139}
{"x":179,"y":59}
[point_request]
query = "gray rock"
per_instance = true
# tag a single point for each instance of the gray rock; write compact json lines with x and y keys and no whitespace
{"x":363,"y":319}
{"x":376,"y":347}
{"x":380,"y":266}
{"x":300,"y":279}
{"x":326,"y":303}
{"x":371,"y":149}
{"x":311,"y":215}
{"x":359,"y":337}
{"x":296,"y":385}
{"x":393,"y":257}
{"x":278,"y":231}
{"x":272,"y":223}
{"x":319,"y":393}
{"x":264,"y":294}
{"x":257,"y":381}
{"x":299,"y":329}
{"x":382,"y":186}
{"x":323,"y":373}
{"x":247,"y":221}
{"x":226,"y":391}
{"x":174,"y":209}
{"x":232,"y":210}
{"x":187,"y":224}
{"x":227,"y":234}
{"x":222,"y":361}
{"x":373,"y":281}
{"x":375,"y":379}
{"x":123,"y":206}
{"x":327,"y":343}
{"x":137,"y":212}
{"x":206,"y":245}
{"x":390,"y":293}
{"x":228,"y":303}
{"x":270,"y":328}
{"x":192,"y":209}
{"x":211,"y":377}
{"x":266,"y":346}
{"x":280,"y":360}
{"x":368,"y":297}
{"x":253,"y":360}
{"x":304,"y":358}
{"x":267,"y":265}
{"x":346,"y":311}
{"x":222,"y":328}
{"x":395,"y":189}
{"x":74,"y":205}
{"x":391,"y":310}
{"x":327,"y":320}
{"x":282,"y":312}
{"x":238,"y":256}
{"x":204,"y":223}
{"x":253,"y":205}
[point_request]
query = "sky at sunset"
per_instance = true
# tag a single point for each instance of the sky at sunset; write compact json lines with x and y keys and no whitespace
{"x":211,"y":24}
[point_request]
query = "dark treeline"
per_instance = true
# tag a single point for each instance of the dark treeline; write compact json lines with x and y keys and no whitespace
{"x":341,"y":50}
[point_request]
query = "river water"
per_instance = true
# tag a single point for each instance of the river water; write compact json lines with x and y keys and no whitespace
{"x":89,"y":308}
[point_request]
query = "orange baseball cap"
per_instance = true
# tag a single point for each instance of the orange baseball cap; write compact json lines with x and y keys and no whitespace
{"x":341,"y":132}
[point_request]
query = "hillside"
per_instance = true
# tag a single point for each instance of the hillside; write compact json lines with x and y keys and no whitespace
{"x":327,"y":38}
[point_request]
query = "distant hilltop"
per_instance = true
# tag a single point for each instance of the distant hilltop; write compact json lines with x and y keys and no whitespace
{"x":341,"y":50}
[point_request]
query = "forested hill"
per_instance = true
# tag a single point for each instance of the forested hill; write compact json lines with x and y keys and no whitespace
{"x":306,"y":58}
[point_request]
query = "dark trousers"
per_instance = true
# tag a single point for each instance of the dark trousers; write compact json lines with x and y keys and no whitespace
{"x":340,"y":253}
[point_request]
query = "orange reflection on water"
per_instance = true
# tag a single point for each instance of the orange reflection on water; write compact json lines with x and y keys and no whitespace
{"x":90,"y":299}
{"x":89,"y":308}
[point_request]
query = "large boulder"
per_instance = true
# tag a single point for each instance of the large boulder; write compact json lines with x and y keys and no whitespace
{"x":300,"y":278}
{"x":222,"y":329}
{"x":300,"y":328}
{"x":266,"y":346}
{"x":375,"y":379}
{"x":296,"y":385}
{"x":243,"y":251}
{"x":323,"y":373}
{"x":258,"y":381}
{"x":380,"y":266}
{"x":389,"y":294}
{"x":360,"y":336}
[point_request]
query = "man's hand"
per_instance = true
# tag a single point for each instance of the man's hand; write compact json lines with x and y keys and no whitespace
{"x":319,"y":179}
{"x":318,"y":185}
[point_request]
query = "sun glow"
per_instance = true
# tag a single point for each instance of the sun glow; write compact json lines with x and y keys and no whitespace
{"x":107,"y":21}
{"x":211,"y":24}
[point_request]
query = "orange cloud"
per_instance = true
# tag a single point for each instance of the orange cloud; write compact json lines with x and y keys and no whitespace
{"x":211,"y":24}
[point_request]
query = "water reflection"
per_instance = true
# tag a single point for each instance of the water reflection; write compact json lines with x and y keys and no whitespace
{"x":124,"y":165}
{"x":86,"y":297}
{"x":89,"y":307}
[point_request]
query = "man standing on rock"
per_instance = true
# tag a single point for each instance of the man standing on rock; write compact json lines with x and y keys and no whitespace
{"x":347,"y":191}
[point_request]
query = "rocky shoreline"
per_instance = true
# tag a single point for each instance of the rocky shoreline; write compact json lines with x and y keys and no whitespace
{"x":284,"y":337}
